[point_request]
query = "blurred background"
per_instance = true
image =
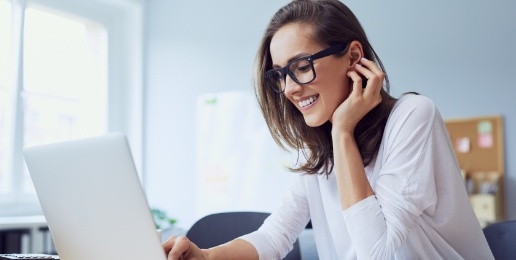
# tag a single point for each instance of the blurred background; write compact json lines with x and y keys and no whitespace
{"x":176,"y":78}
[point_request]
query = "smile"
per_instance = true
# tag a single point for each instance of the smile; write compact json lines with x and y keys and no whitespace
{"x":307,"y":102}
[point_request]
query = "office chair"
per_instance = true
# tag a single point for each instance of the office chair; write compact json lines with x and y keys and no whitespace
{"x":219,"y":228}
{"x":501,"y":238}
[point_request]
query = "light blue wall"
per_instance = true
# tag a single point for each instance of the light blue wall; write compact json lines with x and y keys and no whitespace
{"x":459,"y":53}
{"x":191,"y":49}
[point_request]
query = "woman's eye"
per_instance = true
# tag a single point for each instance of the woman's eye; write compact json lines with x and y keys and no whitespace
{"x":304,"y":68}
{"x":301,"y":66}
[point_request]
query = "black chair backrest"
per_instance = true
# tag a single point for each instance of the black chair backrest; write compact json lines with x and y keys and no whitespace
{"x":501,"y":238}
{"x":219,"y":228}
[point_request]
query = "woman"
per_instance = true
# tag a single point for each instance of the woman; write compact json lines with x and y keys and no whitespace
{"x":380,"y":180}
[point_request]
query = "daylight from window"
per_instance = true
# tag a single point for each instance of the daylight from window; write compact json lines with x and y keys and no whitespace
{"x":5,"y":56}
{"x":64,"y":92}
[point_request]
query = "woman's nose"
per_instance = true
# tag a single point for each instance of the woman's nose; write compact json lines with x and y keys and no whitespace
{"x":291,"y":86}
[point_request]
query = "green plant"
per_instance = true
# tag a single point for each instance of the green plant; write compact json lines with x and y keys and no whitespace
{"x":161,"y":219}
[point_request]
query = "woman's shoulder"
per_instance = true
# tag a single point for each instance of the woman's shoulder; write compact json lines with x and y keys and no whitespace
{"x":415,"y":101}
{"x":414,"y":105}
{"x":412,"y":111}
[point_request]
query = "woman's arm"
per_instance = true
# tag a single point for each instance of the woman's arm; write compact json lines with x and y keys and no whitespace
{"x":236,"y":249}
{"x":349,"y":169}
{"x":181,"y":248}
{"x":351,"y":179}
{"x":404,"y":185}
{"x":273,"y":240}
{"x":379,"y":224}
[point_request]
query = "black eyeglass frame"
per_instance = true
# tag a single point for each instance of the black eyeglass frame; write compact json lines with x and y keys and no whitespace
{"x":334,"y":49}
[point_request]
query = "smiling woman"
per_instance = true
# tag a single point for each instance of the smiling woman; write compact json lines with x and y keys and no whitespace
{"x":380,"y":179}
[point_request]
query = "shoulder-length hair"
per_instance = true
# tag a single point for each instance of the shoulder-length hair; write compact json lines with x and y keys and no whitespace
{"x":330,"y":22}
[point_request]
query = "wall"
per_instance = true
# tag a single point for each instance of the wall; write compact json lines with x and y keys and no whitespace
{"x":458,"y":53}
{"x":191,"y":49}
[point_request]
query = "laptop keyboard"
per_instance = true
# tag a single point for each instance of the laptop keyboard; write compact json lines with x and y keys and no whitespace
{"x":28,"y":256}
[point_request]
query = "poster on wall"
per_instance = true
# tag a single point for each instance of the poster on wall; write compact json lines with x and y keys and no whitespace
{"x":239,"y":166}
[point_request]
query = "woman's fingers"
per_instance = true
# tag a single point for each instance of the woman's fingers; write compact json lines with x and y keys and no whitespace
{"x":374,"y":75}
{"x":360,"y":100}
{"x":167,"y":245}
{"x":371,"y":66}
{"x":357,"y":83}
{"x":371,"y":79}
{"x":370,"y":96}
{"x":177,"y":248}
{"x":181,"y":249}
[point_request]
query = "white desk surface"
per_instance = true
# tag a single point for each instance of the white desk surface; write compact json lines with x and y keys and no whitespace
{"x":22,"y":221}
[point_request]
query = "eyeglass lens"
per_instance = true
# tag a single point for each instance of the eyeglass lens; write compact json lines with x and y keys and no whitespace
{"x":301,"y":71}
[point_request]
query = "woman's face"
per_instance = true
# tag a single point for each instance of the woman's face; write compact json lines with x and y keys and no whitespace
{"x":318,"y":99}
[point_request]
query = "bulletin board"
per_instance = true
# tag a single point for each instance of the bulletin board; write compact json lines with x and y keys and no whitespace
{"x":479,"y":146}
{"x":478,"y":143}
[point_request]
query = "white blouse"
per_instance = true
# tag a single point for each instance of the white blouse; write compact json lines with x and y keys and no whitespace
{"x":420,"y":209}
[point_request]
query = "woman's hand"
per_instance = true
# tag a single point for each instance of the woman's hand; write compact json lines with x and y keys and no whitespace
{"x":361,"y":100}
{"x":180,"y":248}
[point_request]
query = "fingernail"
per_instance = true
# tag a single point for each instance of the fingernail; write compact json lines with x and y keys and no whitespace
{"x":358,"y":65}
{"x":363,"y":58}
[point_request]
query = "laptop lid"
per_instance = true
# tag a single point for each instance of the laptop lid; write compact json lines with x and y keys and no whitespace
{"x":92,"y":199}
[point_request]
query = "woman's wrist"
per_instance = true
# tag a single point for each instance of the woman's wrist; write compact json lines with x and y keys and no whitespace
{"x":342,"y":130}
{"x":206,"y":253}
{"x":343,"y":138}
{"x":235,"y":249}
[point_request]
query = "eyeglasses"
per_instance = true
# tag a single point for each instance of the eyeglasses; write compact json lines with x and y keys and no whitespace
{"x":300,"y":70}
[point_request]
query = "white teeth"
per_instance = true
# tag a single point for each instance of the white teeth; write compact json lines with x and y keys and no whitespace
{"x":307,"y":102}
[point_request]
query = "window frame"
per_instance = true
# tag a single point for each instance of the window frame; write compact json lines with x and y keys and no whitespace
{"x":123,"y":20}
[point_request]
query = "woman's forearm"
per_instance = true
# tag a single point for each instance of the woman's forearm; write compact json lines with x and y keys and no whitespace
{"x":237,"y":249}
{"x":349,"y":170}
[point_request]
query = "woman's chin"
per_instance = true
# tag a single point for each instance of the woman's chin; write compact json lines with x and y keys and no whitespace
{"x":314,"y":122}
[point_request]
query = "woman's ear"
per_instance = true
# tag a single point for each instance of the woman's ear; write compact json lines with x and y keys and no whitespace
{"x":355,"y":53}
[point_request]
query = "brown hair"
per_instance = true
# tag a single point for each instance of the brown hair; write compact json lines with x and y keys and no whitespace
{"x":332,"y":23}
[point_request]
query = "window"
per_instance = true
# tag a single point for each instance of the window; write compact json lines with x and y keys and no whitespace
{"x":5,"y":51}
{"x":64,"y":79}
{"x":58,"y":81}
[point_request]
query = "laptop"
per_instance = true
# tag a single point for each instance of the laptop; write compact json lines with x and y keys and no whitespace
{"x":92,"y":199}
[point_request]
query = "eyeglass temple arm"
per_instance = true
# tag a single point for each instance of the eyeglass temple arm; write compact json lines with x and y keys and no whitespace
{"x":335,"y":49}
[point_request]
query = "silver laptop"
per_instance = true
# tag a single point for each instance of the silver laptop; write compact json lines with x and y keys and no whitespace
{"x":92,"y":199}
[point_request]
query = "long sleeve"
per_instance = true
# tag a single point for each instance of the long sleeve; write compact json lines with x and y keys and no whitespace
{"x":405,"y":185}
{"x":420,"y":209}
{"x":275,"y":238}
